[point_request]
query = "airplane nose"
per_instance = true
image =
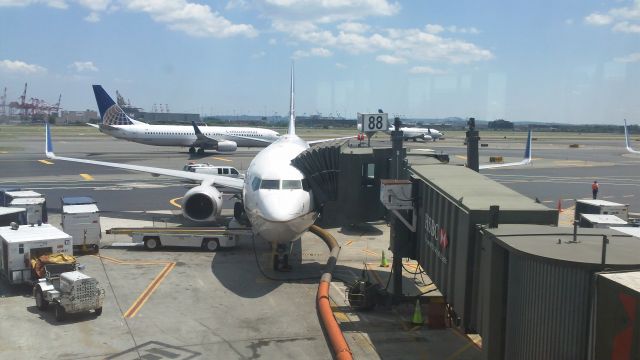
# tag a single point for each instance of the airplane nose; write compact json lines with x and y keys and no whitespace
{"x":280,"y":211}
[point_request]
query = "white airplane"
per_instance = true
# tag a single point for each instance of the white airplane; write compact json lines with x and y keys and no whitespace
{"x":412,"y":133}
{"x":278,"y":206}
{"x":626,"y":139}
{"x":525,"y":161}
{"x":117,"y":123}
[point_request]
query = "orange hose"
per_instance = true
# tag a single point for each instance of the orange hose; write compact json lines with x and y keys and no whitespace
{"x":338,"y":342}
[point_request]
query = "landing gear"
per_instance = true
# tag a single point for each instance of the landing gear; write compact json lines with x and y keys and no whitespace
{"x":239,"y":214}
{"x":192,"y":150}
{"x":281,"y":258}
{"x":201,"y":151}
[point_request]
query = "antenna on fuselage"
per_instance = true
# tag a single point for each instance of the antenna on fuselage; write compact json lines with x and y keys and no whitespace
{"x":292,"y":107}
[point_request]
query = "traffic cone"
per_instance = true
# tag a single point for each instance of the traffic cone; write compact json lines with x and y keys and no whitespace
{"x":417,"y":314}
{"x":384,"y":262}
{"x":560,"y":205}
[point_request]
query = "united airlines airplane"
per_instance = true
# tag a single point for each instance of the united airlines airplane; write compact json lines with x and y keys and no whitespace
{"x":278,"y":206}
{"x":626,"y":140}
{"x":525,"y":161}
{"x":117,"y":123}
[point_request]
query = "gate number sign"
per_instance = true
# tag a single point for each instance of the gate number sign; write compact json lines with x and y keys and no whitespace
{"x":374,"y":122}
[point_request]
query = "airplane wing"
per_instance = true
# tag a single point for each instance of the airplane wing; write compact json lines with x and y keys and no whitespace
{"x":626,"y":139}
{"x":525,"y":161}
{"x":233,"y":183}
{"x":314,"y":142}
{"x":204,"y":140}
{"x":93,"y":125}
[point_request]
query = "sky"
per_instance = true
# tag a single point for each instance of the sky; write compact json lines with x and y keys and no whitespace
{"x":570,"y":61}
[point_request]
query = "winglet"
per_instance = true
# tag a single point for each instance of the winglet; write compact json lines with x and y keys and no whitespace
{"x":292,"y":107}
{"x":626,"y":140}
{"x":527,"y":150}
{"x":48,"y":150}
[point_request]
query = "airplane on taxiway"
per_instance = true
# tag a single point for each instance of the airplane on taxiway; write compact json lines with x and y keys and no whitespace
{"x":277,"y":204}
{"x":116,"y":123}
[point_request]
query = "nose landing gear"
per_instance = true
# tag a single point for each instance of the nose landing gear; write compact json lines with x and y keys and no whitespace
{"x":280,"y":255}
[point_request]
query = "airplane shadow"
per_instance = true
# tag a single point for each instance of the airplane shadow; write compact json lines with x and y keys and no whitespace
{"x":360,"y":229}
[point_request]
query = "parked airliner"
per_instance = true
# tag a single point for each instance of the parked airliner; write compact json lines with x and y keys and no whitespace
{"x":274,"y":200}
{"x":117,"y":123}
{"x":412,"y":133}
{"x":525,"y":161}
{"x":626,"y":140}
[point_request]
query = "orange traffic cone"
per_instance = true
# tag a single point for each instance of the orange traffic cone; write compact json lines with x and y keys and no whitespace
{"x":560,"y":205}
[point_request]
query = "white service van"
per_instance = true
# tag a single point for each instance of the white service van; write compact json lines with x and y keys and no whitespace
{"x":205,"y":168}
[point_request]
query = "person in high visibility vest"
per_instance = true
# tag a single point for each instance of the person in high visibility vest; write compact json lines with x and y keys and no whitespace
{"x":594,"y":189}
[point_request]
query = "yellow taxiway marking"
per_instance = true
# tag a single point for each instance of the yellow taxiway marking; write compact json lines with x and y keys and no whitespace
{"x":174,"y":203}
{"x":221,"y":159}
{"x":369,"y":252}
{"x":153,"y":285}
{"x":87,"y":177}
{"x":348,"y":243}
{"x":461,"y":157}
{"x":46,"y":162}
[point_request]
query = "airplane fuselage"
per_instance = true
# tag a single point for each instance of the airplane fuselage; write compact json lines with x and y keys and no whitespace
{"x":180,"y":135}
{"x":277,"y":206}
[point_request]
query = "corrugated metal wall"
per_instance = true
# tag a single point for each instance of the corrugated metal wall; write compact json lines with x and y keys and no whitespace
{"x":547,"y":310}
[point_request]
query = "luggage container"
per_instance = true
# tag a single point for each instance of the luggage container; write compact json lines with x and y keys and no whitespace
{"x":9,"y":215}
{"x":603,"y":207}
{"x":601,"y":221}
{"x":36,"y":208}
{"x":536,"y":288}
{"x":4,"y":198}
{"x":82,"y":222}
{"x":616,"y":316}
{"x":452,"y":201}
{"x":21,"y":243}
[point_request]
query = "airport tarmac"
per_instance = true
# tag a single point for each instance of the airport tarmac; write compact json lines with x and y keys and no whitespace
{"x":221,"y":305}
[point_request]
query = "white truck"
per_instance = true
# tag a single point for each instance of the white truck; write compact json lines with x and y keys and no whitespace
{"x":21,"y":243}
{"x":68,"y":290}
{"x":81,"y":220}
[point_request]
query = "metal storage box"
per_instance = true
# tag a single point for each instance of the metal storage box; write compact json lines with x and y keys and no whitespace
{"x":603,"y":207}
{"x":12,"y":214}
{"x":600,"y":221}
{"x":536,"y":287}
{"x":616,"y":325}
{"x":451,"y":202}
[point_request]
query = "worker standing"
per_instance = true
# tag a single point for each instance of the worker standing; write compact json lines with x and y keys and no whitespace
{"x":594,"y":189}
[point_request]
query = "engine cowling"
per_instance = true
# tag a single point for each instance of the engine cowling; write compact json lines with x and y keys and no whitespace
{"x":202,"y":204}
{"x":227,"y":146}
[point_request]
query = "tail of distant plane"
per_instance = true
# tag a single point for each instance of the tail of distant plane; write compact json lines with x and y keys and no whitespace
{"x":527,"y":149}
{"x":626,"y":140}
{"x":110,"y":112}
{"x":527,"y":157}
{"x":292,"y":108}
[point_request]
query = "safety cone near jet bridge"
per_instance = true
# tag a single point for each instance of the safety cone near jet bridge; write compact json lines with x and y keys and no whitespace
{"x":560,"y":205}
{"x":417,"y":314}
{"x":384,"y":262}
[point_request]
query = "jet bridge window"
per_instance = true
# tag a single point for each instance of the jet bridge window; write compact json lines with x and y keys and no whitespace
{"x":368,"y":174}
{"x":291,"y":184}
{"x":270,"y":184}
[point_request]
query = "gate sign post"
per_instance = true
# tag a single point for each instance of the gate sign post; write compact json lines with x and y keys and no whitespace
{"x":372,"y":123}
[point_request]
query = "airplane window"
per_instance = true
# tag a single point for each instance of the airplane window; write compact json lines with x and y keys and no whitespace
{"x":255,"y":184}
{"x":291,"y":184}
{"x":270,"y":184}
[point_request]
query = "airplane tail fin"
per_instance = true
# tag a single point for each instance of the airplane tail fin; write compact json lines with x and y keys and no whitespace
{"x":527,"y":149}
{"x":48,"y":145}
{"x":110,"y":112}
{"x":626,"y":135}
{"x":292,"y":107}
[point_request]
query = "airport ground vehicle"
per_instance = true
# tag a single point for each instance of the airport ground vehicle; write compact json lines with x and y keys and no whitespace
{"x":9,"y":215}
{"x":81,"y":220}
{"x":21,"y":243}
{"x":68,"y":290}
{"x":205,"y":168}
{"x":602,"y":207}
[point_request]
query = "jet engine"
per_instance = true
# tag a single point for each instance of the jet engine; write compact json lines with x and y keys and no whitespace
{"x":203,"y":203}
{"x":227,"y":146}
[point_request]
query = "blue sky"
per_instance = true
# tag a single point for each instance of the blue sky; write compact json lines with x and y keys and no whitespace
{"x":571,"y":61}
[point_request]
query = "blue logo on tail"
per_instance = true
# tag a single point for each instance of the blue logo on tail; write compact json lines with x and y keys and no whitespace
{"x":110,"y":112}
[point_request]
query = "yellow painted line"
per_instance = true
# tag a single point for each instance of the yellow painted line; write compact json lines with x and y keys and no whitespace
{"x":174,"y":203}
{"x":369,"y":252}
{"x":461,"y":157}
{"x":339,"y":315}
{"x":131,"y":262}
{"x":348,"y":243}
{"x":142,"y":299}
{"x":47,"y":162}
{"x":4,"y":152}
{"x":221,"y":159}
{"x":87,"y":177}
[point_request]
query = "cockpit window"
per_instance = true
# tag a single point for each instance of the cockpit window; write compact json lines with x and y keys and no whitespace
{"x":270,"y":184}
{"x":255,"y":184}
{"x":291,"y":184}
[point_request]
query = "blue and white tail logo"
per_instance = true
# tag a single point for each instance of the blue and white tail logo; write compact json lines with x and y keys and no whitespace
{"x":110,"y":112}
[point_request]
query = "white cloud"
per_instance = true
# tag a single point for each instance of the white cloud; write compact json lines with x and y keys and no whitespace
{"x":625,"y":19}
{"x":434,"y":28}
{"x":354,"y":27}
{"x":317,"y":52}
{"x":390,"y":59}
{"x":237,"y":4}
{"x":462,"y":30}
{"x":58,"y":4}
{"x":326,"y":11}
{"x":20,"y":67}
{"x":425,"y":70}
{"x":635,"y":57}
{"x":626,"y":27}
{"x":81,"y":66}
{"x":93,"y":17}
{"x":192,"y":18}
{"x":95,"y":5}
